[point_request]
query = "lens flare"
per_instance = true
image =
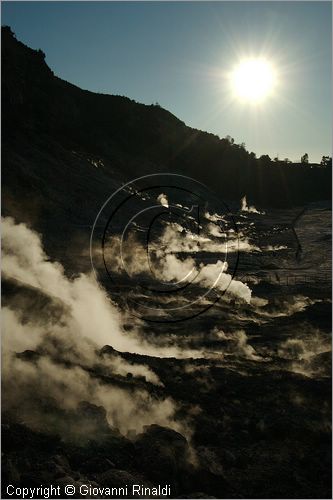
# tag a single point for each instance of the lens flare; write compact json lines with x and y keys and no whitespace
{"x":253,"y":80}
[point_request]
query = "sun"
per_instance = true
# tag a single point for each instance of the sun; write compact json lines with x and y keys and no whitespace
{"x":253,"y":80}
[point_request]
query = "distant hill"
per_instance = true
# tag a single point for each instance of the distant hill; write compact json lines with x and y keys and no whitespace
{"x":64,"y":149}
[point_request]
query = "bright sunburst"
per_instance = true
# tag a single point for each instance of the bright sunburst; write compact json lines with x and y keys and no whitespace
{"x":253,"y":80}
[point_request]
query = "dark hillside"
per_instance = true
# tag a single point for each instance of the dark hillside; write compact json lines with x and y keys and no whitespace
{"x":54,"y":132}
{"x":227,"y":398}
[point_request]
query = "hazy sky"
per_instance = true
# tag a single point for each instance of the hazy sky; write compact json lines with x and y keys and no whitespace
{"x":179,"y":53}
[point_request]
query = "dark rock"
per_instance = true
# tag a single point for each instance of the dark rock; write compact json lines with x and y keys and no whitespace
{"x":107,"y":350}
{"x":163,"y":453}
{"x":28,"y":355}
{"x":94,"y":414}
{"x":97,"y":464}
{"x":120,"y":478}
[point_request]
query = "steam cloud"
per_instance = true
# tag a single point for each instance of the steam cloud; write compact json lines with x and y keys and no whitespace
{"x":169,"y":267}
{"x":65,"y":334}
{"x":163,"y":200}
{"x":251,"y":209}
{"x":65,"y":331}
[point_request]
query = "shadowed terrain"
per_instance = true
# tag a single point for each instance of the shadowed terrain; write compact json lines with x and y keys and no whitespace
{"x":234,"y":403}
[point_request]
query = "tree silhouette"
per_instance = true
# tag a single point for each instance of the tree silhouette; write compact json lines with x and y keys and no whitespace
{"x":305,"y":158}
{"x":7,"y":31}
{"x":265,"y":160}
{"x":326,"y":161}
{"x":230,"y":139}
